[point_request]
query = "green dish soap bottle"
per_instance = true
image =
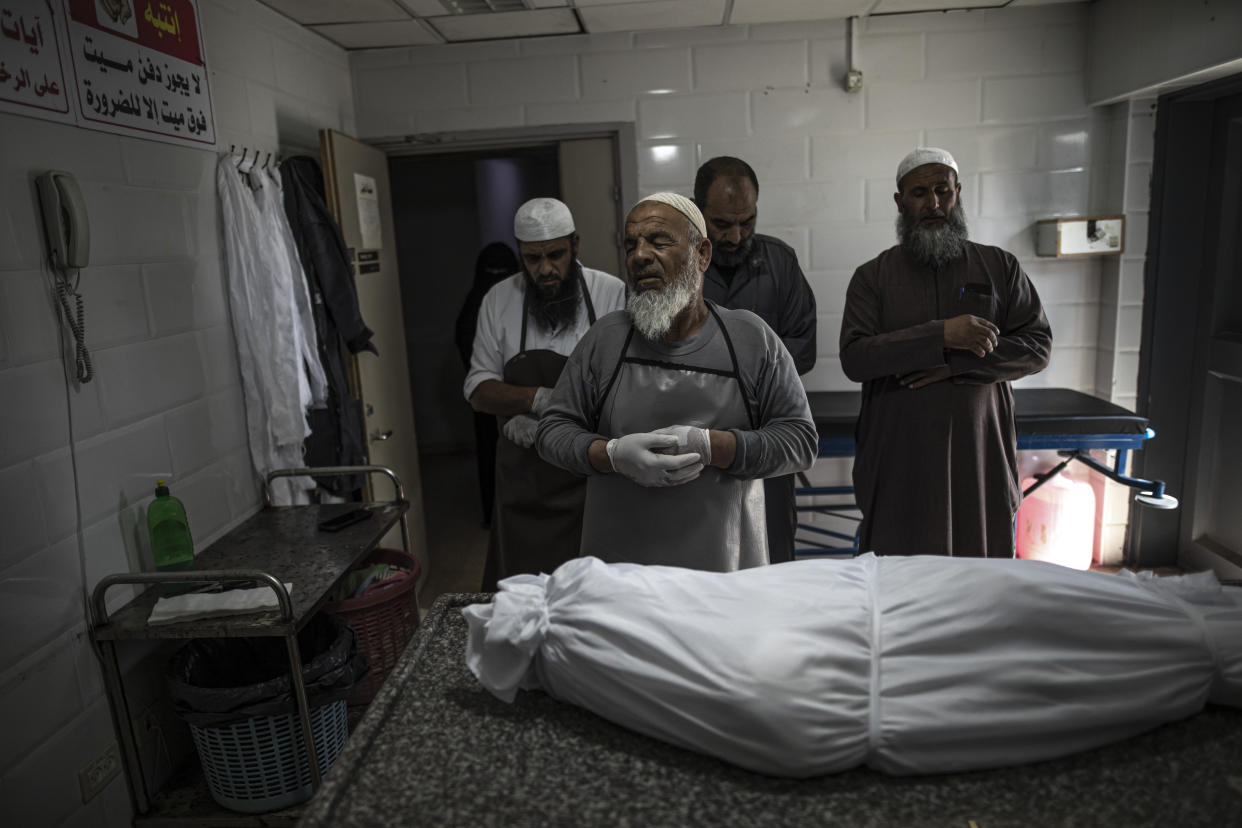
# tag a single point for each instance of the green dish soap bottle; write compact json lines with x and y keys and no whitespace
{"x":171,"y":545}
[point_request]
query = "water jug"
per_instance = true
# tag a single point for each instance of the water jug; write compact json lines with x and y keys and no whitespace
{"x":1056,"y":522}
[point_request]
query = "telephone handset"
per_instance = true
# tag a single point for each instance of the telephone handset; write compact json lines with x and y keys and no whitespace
{"x":69,"y":247}
{"x":64,"y":219}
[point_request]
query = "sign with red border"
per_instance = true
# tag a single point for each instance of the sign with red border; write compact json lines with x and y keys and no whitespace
{"x":132,"y":67}
{"x":138,"y":68}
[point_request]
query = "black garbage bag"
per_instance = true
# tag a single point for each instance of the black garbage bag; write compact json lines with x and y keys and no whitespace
{"x":215,"y":681}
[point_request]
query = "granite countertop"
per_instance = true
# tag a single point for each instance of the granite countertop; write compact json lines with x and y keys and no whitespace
{"x":436,"y":748}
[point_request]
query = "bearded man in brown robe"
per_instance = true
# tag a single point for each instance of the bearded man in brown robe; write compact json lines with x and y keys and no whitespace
{"x":935,"y":328}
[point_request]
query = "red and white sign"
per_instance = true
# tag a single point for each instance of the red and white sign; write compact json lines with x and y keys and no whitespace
{"x":138,"y":68}
{"x":32,"y":78}
{"x":133,"y":67}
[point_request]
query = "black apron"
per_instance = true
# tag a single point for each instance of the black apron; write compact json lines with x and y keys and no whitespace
{"x":537,"y":518}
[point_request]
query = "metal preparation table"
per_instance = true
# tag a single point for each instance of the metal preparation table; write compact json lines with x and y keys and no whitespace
{"x":1057,"y":419}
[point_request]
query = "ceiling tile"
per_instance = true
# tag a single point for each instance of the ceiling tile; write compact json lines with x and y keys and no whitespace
{"x":584,"y":3}
{"x":337,"y":11}
{"x":506,"y":24}
{"x":424,"y":8}
{"x":378,"y":35}
{"x":894,"y":6}
{"x":783,"y":11}
{"x":656,"y":14}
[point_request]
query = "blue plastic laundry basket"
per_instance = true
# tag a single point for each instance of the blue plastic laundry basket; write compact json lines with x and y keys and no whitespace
{"x":259,"y":764}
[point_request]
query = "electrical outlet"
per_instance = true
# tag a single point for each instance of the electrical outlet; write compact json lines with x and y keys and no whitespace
{"x":95,"y":776}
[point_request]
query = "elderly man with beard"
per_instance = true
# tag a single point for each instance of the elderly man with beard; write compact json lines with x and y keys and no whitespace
{"x":528,"y":325}
{"x":761,"y":274}
{"x":935,"y":328}
{"x":675,"y":410}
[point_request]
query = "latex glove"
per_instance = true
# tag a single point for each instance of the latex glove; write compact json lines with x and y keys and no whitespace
{"x":690,"y":440}
{"x":543,"y":396}
{"x":636,"y":456}
{"x":521,"y":430}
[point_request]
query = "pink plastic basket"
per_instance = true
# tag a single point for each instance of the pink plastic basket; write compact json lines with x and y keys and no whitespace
{"x":385,"y":618}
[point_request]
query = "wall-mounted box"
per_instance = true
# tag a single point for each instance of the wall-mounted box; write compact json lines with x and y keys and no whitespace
{"x":1085,"y":236}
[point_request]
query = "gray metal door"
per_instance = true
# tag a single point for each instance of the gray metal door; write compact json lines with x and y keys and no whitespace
{"x":1211,"y":529}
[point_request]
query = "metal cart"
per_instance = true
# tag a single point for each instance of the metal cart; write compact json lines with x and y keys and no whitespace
{"x":276,"y":546}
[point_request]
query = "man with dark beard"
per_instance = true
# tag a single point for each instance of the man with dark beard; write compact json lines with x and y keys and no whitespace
{"x":935,"y":328}
{"x":676,"y":409}
{"x":528,"y":324}
{"x":758,"y":273}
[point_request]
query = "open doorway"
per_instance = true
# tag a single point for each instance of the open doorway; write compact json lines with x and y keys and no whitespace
{"x":452,"y":195}
{"x":448,"y":205}
{"x":446,"y":208}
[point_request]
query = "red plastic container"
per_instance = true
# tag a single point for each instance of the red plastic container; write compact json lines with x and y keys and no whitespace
{"x":385,"y":617}
{"x":1056,"y":522}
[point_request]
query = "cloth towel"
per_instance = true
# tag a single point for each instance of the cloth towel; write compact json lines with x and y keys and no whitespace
{"x":208,"y":604}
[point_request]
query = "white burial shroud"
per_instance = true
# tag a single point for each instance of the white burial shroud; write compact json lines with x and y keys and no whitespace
{"x":904,"y":664}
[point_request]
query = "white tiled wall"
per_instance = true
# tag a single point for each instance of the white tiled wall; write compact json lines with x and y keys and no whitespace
{"x":1131,"y":127}
{"x":1001,"y":89}
{"x":165,"y":401}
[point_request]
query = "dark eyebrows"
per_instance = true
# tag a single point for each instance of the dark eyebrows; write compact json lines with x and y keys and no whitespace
{"x":719,"y":222}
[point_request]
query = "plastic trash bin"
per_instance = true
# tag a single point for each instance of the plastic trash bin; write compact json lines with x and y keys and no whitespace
{"x":237,"y":698}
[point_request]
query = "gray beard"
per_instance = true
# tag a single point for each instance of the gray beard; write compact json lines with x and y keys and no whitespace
{"x":654,"y":311}
{"x":938,"y":247}
{"x":721,"y":258}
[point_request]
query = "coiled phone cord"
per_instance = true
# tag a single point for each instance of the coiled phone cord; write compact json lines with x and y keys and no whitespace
{"x":76,"y":319}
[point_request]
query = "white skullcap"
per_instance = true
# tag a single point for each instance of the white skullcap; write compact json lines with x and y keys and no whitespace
{"x":542,"y":219}
{"x":682,"y":205}
{"x":924,"y":155}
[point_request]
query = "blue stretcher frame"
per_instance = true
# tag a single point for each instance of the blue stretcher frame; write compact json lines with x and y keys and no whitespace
{"x":1048,"y":419}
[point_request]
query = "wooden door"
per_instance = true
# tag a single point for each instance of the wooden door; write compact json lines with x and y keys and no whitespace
{"x":356,"y":181}
{"x":589,"y":187}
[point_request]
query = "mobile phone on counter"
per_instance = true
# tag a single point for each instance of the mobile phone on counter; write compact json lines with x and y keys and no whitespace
{"x":336,"y":524}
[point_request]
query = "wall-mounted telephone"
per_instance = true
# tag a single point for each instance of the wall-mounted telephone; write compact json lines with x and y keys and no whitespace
{"x":64,"y":220}
{"x":69,"y":248}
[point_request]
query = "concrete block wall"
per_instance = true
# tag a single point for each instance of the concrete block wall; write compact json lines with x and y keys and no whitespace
{"x":1131,"y":130}
{"x":1003,"y":90}
{"x":166,"y":400}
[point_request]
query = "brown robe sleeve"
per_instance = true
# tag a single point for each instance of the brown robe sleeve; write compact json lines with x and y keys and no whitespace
{"x":867,"y":350}
{"x":1025,"y":336}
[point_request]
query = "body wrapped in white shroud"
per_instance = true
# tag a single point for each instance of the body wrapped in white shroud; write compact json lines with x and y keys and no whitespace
{"x":904,"y":664}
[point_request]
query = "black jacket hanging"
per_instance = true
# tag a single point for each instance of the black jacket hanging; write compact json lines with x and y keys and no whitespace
{"x":336,"y":431}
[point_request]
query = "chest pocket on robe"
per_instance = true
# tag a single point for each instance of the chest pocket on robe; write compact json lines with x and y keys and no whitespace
{"x":978,"y":299}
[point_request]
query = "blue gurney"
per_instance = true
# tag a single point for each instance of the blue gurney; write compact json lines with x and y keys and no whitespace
{"x":1053,"y":419}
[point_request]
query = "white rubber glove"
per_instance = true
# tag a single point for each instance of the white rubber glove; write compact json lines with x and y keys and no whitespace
{"x":521,"y":430}
{"x":543,"y":396}
{"x":690,"y":440}
{"x":636,"y":457}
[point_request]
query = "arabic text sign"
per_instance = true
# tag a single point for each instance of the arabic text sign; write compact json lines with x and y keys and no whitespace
{"x":31,"y":81}
{"x":138,"y":67}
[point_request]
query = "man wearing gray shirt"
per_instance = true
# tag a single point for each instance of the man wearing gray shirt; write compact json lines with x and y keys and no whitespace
{"x":675,"y":410}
